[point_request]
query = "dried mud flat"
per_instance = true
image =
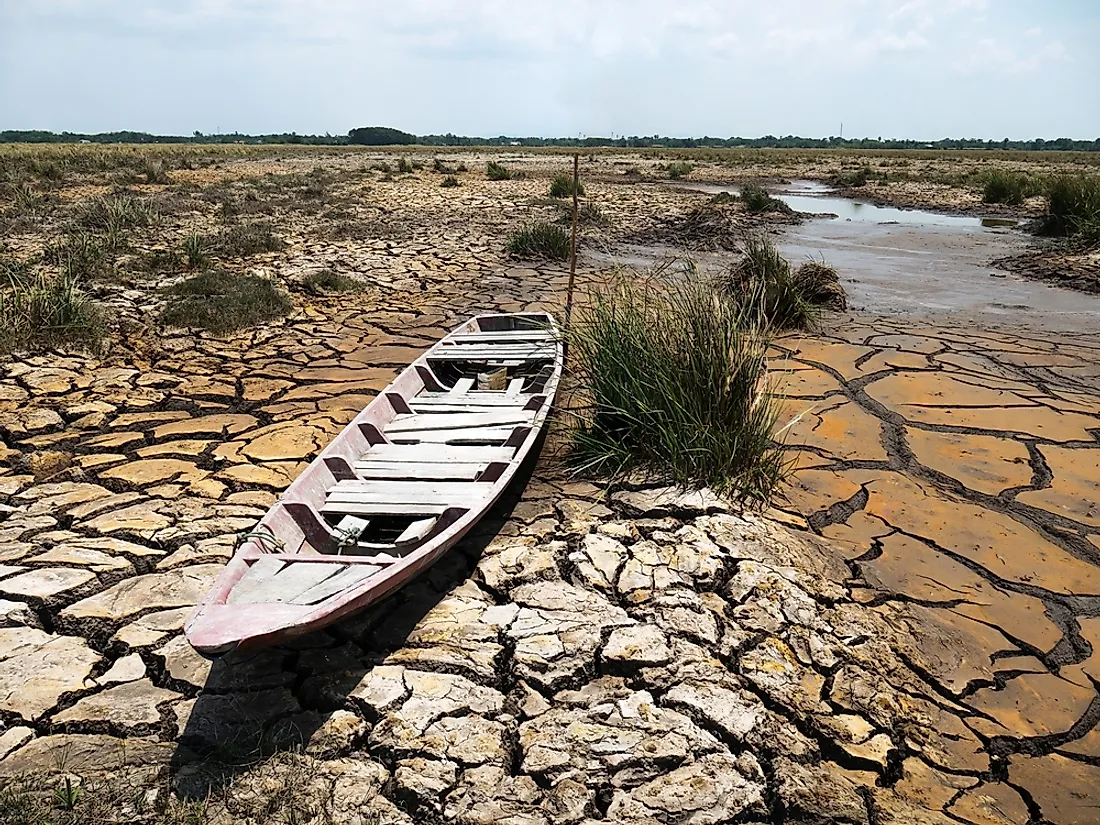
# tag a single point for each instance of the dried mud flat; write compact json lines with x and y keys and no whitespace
{"x":910,"y":639}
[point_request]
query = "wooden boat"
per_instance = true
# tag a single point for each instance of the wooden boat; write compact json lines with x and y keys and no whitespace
{"x":404,"y":481}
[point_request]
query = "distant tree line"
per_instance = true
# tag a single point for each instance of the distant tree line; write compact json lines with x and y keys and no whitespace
{"x":385,"y":136}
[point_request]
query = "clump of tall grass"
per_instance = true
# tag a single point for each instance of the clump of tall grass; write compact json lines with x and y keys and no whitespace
{"x":222,"y":302}
{"x":403,"y":165}
{"x":155,"y":171}
{"x":757,"y":200}
{"x":562,"y":186}
{"x":45,"y":310}
{"x":674,"y":373}
{"x":248,"y":239}
{"x":775,"y":294}
{"x":540,"y":240}
{"x":1011,"y":188}
{"x":438,"y":165}
{"x":1073,"y":209}
{"x":497,"y":171}
{"x":196,"y":249}
{"x":677,"y":169}
{"x":449,"y":182}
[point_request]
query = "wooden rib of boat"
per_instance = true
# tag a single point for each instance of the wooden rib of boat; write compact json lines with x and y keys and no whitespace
{"x":404,"y":481}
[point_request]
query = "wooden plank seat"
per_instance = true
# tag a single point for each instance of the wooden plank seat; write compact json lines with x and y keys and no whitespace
{"x":485,"y":352}
{"x":508,"y":417}
{"x":456,"y":493}
{"x":435,"y":453}
{"x":465,"y":436}
{"x":504,"y":335}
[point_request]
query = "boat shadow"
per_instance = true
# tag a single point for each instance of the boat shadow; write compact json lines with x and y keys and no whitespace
{"x":275,"y":701}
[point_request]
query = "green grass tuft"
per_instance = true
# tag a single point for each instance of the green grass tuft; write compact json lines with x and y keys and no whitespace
{"x":81,"y":255}
{"x":196,"y":249}
{"x":155,"y":171}
{"x":675,"y":373}
{"x":449,"y":182}
{"x":248,"y":239}
{"x":562,"y":186}
{"x":326,"y":282}
{"x":1073,"y":209}
{"x":678,"y":169}
{"x":497,"y":171}
{"x":222,"y":302}
{"x":403,"y":165}
{"x":1011,"y":188}
{"x":44,"y":310}
{"x":777,"y":296}
{"x":540,"y":240}
{"x":757,"y":200}
{"x":113,"y":213}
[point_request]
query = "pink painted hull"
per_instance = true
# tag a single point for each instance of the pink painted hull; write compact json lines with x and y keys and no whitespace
{"x":216,"y":627}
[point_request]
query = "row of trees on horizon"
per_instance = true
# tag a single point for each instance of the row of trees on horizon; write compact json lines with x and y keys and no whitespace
{"x":385,"y":136}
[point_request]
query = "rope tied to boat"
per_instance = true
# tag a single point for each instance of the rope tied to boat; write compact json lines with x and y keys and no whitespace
{"x":264,"y":538}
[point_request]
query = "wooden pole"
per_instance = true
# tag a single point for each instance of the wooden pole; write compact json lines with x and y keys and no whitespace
{"x":573,"y":242}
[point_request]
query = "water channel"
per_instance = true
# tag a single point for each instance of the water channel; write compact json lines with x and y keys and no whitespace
{"x":923,"y":264}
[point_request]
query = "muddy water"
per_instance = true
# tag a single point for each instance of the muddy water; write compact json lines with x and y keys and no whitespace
{"x":923,"y":264}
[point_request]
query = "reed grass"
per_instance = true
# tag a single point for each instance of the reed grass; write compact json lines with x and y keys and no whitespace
{"x":497,"y":171}
{"x":674,"y":371}
{"x":1012,"y":188}
{"x":540,"y":240}
{"x":1073,"y":209}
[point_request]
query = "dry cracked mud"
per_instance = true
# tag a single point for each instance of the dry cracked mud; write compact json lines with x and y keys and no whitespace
{"x":911,"y":638}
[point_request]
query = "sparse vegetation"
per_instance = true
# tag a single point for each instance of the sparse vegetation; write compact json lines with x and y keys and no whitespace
{"x":449,"y":182}
{"x":439,"y":166}
{"x":757,"y":200}
{"x":81,"y":255}
{"x":248,"y":239}
{"x":777,"y":296}
{"x":588,"y":214}
{"x":674,"y":373}
{"x":113,"y":213}
{"x":562,"y":186}
{"x":45,"y":310}
{"x":403,"y":165}
{"x":222,"y":302}
{"x":854,"y":178}
{"x":326,"y":282}
{"x":1073,"y":209}
{"x":497,"y":171}
{"x":540,"y":240}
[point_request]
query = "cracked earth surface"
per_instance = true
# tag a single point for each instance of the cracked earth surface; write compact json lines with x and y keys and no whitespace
{"x":910,"y":639}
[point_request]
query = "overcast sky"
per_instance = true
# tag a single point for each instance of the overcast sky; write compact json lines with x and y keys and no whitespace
{"x":893,"y":68}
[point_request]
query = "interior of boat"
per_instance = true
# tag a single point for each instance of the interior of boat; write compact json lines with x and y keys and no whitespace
{"x":410,"y":465}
